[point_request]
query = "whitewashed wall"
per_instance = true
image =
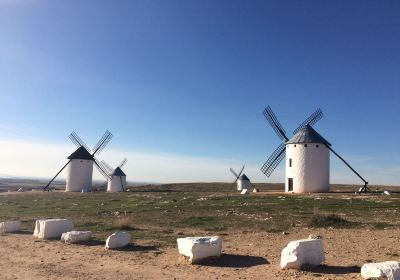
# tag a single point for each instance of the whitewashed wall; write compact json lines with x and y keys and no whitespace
{"x":114,"y":185}
{"x":243,"y":184}
{"x":310,"y":167}
{"x":79,"y":175}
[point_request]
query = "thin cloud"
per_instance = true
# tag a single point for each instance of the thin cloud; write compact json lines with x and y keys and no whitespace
{"x":32,"y":159}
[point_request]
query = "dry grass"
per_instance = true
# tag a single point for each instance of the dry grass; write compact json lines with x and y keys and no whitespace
{"x":124,"y":223}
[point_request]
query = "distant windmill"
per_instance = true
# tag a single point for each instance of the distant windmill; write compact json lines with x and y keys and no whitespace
{"x":80,"y":164}
{"x":242,"y":181}
{"x":307,"y":156}
{"x":116,"y":178}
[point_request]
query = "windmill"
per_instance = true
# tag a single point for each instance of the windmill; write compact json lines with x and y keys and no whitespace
{"x":307,"y":156}
{"x":116,"y":178}
{"x":241,"y":180}
{"x":80,"y":164}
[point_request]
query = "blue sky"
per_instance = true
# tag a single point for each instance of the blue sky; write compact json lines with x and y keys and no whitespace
{"x":188,"y":80}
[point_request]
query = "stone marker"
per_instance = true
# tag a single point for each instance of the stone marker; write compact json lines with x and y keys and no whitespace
{"x":10,"y":226}
{"x":52,"y":228}
{"x":198,"y":248}
{"x":387,"y":192}
{"x":385,"y":270}
{"x":302,"y":252}
{"x":76,"y":236}
{"x":118,"y":239}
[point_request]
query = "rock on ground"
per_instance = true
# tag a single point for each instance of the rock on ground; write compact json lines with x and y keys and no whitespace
{"x":302,"y":252}
{"x":76,"y":236}
{"x":385,"y":270}
{"x":198,"y":248}
{"x":118,"y":239}
{"x":52,"y":228}
{"x":10,"y":226}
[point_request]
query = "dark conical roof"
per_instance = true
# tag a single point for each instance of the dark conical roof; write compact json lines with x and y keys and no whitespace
{"x":81,"y":153}
{"x":244,"y":178}
{"x":118,"y":172}
{"x":307,"y":135}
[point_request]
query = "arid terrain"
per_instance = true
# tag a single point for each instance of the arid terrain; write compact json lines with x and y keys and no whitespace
{"x":255,"y":228}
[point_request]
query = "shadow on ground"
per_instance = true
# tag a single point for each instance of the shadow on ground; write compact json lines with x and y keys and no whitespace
{"x":235,"y":261}
{"x":91,"y":242}
{"x":137,"y":248}
{"x":24,"y":232}
{"x":331,"y":269}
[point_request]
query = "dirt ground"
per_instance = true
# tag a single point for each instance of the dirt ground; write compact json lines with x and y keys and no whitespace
{"x":246,"y":255}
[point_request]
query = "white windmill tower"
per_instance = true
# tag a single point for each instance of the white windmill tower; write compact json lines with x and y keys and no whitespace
{"x":116,"y":178}
{"x":80,"y":164}
{"x":307,"y":156}
{"x":241,"y":180}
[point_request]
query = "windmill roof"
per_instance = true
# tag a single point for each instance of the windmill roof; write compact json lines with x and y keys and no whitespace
{"x":244,"y":178}
{"x":118,"y":172}
{"x":307,"y":135}
{"x":81,"y":153}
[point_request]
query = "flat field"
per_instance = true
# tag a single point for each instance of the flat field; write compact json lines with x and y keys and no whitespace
{"x":364,"y":228}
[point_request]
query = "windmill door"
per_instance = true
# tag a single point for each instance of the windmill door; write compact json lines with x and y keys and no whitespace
{"x":290,"y":184}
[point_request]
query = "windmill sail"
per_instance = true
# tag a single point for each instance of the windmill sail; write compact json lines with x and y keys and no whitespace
{"x":100,"y":167}
{"x":274,"y":160}
{"x":123,"y":162}
{"x":78,"y":141}
{"x":311,"y":120}
{"x":108,"y":167}
{"x":276,"y":157}
{"x":99,"y":147}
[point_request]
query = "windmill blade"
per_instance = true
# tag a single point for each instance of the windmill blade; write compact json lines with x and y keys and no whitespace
{"x":275,"y":124}
{"x":273,"y":161}
{"x":108,"y":167}
{"x":101,"y":169}
{"x":234,"y":173}
{"x":123,"y":162}
{"x":102,"y":142}
{"x":311,"y":120}
{"x":47,"y":187}
{"x":241,"y":170}
{"x":77,"y":140}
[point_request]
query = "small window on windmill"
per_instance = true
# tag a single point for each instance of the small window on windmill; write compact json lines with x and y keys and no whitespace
{"x":295,"y":145}
{"x":317,"y":145}
{"x":290,"y":162}
{"x":305,"y":145}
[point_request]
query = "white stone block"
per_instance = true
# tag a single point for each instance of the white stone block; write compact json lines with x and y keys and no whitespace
{"x":10,"y":226}
{"x":387,"y":192}
{"x":302,"y":252}
{"x":118,"y":239}
{"x":197,"y":248}
{"x":244,"y":191}
{"x":76,"y":236}
{"x":385,"y":270}
{"x":52,"y":228}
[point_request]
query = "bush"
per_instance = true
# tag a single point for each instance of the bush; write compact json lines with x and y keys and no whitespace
{"x":331,"y":220}
{"x":123,"y":223}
